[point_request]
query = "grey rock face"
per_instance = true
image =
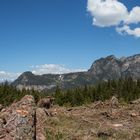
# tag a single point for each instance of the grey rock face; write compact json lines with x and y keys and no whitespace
{"x":106,"y":68}
{"x":114,"y":68}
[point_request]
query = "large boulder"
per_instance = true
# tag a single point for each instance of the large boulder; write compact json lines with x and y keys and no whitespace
{"x":46,"y":102}
{"x":17,"y":121}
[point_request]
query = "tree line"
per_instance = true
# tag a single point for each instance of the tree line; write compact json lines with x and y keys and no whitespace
{"x":125,"y":90}
{"x":10,"y":94}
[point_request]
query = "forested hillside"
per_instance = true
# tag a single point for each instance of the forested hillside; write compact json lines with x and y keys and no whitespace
{"x":124,"y":89}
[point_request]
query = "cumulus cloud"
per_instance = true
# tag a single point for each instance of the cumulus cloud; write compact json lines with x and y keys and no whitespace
{"x":126,"y":30}
{"x":106,"y":13}
{"x":8,"y":76}
{"x":133,"y":16}
{"x":39,"y":70}
{"x":53,"y":69}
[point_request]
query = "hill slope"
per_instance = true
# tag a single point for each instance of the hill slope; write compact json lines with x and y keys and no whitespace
{"x":102,"y":69}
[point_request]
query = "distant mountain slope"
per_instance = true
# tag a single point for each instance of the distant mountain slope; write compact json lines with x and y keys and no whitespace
{"x":102,"y":69}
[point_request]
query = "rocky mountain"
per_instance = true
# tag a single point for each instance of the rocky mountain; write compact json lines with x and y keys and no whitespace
{"x":114,"y":68}
{"x":102,"y":69}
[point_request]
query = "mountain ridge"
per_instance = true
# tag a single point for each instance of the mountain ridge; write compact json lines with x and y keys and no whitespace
{"x":101,"y":69}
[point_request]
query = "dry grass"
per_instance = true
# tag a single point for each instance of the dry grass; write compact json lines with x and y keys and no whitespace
{"x":94,"y":122}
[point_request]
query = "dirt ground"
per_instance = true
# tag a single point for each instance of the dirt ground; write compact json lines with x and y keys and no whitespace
{"x":96,"y":121}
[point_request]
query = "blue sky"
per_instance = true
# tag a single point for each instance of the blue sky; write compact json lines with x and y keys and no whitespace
{"x":43,"y":35}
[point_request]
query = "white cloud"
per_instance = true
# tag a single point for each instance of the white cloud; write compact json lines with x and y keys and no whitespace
{"x":39,"y":70}
{"x":106,"y":13}
{"x":8,"y":76}
{"x":133,"y":16}
{"x":53,"y":69}
{"x":126,"y":30}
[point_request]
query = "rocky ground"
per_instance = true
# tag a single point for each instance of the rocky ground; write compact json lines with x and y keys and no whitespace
{"x":109,"y":120}
{"x":23,"y":120}
{"x":97,"y":121}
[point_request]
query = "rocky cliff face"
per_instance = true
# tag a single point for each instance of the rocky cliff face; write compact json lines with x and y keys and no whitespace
{"x":114,"y":68}
{"x":101,"y":70}
{"x":131,"y":67}
{"x":106,"y":68}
